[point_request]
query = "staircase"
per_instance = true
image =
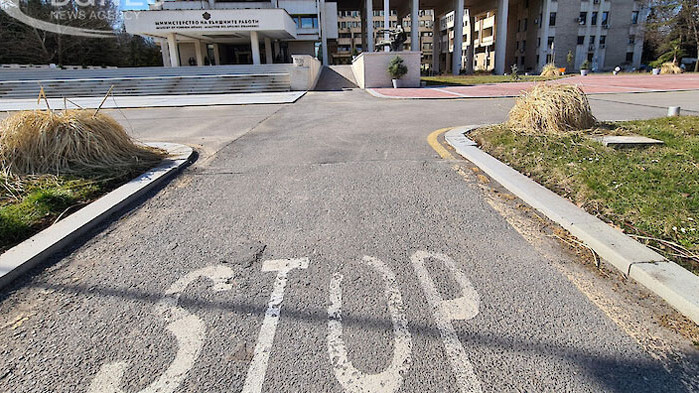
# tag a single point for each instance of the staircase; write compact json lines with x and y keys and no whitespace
{"x":336,"y":78}
{"x":144,"y":81}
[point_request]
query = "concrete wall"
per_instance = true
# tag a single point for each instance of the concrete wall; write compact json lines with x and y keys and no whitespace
{"x":304,"y":72}
{"x":371,"y":69}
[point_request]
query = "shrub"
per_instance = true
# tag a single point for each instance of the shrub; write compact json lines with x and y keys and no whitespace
{"x":75,"y":142}
{"x":585,"y":65}
{"x":550,"y":70}
{"x":551,"y":108}
{"x":670,"y":68}
{"x":396,"y":68}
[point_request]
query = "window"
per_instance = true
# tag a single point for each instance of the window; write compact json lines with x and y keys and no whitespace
{"x":550,"y":42}
{"x":602,"y":39}
{"x":582,"y":19}
{"x":522,"y":60}
{"x":538,"y":44}
{"x":581,"y":40}
{"x":629,"y":57}
{"x":593,"y":20}
{"x":634,"y":17}
{"x":306,"y":21}
{"x":632,"y":39}
{"x":524,"y":28}
{"x":524,"y":45}
{"x":592,"y":39}
{"x":552,"y":19}
{"x":517,"y":45}
{"x":343,"y":25}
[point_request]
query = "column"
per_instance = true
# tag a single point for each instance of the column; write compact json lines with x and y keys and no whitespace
{"x":362,"y":17}
{"x":321,"y":31}
{"x":174,"y":53}
{"x":457,"y":56}
{"x":197,"y":49}
{"x":217,"y":56}
{"x":268,"y":51}
{"x":436,"y":42}
{"x":414,"y":26}
{"x":255,"y":44}
{"x":165,"y":51}
{"x":386,"y":24}
{"x":544,"y":47}
{"x":501,"y":35}
{"x":369,"y":26}
{"x":470,"y":50}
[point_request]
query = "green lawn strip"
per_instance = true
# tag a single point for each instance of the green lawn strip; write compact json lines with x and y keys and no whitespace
{"x":31,"y":204}
{"x":647,"y":191}
{"x":470,"y":80}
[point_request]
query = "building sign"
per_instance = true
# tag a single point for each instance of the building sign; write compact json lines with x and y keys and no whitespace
{"x":207,"y":22}
{"x":162,"y":22}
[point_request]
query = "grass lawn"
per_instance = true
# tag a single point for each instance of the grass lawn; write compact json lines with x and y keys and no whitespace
{"x":469,"y":80}
{"x":649,"y":192}
{"x":34,"y":203}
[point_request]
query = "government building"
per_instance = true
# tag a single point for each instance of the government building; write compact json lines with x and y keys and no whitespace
{"x":489,"y":35}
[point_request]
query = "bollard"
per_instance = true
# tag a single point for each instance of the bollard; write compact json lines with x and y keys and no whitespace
{"x":673,"y":111}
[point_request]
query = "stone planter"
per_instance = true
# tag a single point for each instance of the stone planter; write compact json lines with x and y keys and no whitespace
{"x":656,"y":71}
{"x":584,"y":72}
{"x":396,"y":83}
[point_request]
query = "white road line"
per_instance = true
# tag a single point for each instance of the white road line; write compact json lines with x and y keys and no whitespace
{"x":445,"y":311}
{"x":189,"y":331}
{"x":351,"y":379}
{"x":258,"y":365}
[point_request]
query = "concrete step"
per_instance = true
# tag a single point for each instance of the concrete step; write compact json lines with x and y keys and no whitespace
{"x":208,"y":84}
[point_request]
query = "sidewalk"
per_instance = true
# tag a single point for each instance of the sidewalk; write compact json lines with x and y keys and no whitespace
{"x":286,"y":97}
{"x":591,"y":84}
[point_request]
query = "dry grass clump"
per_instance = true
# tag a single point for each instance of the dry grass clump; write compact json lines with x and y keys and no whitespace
{"x":70,"y":142}
{"x":550,"y":70}
{"x":551,"y":108}
{"x":670,"y":68}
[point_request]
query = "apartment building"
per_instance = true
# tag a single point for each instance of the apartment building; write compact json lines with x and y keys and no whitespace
{"x":605,"y":33}
{"x":351,"y":33}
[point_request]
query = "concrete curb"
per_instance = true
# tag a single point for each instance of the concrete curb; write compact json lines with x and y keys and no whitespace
{"x":459,"y":96}
{"x":678,"y":286}
{"x":39,"y":247}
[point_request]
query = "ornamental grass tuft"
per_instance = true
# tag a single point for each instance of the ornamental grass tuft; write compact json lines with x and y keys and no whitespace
{"x":553,"y":108}
{"x":70,"y":142}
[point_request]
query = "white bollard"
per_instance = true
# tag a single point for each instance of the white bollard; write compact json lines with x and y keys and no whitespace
{"x":673,"y":111}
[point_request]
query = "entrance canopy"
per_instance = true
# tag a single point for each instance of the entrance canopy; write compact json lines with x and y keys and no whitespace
{"x":210,"y":24}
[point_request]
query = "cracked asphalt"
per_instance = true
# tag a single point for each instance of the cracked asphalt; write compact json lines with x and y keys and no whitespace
{"x":301,"y":219}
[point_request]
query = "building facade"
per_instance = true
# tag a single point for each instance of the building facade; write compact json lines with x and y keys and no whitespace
{"x":604,"y":33}
{"x":220,"y":32}
{"x":534,"y":32}
{"x":350,"y":41}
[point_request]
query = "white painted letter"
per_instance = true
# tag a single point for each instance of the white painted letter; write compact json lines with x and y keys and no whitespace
{"x":351,"y":379}
{"x":258,"y":366}
{"x":445,"y":311}
{"x":189,"y":331}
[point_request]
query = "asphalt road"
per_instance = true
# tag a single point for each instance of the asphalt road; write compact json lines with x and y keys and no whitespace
{"x":323,"y":246}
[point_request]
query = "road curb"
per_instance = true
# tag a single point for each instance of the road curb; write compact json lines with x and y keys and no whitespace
{"x":670,"y":281}
{"x":41,"y":246}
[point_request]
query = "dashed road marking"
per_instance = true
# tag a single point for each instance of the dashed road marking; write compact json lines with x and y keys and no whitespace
{"x":352,"y":379}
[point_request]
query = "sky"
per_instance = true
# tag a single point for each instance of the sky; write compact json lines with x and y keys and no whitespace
{"x":134,"y":4}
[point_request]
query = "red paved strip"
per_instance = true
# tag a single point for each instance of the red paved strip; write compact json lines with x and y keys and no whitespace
{"x":590,"y":84}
